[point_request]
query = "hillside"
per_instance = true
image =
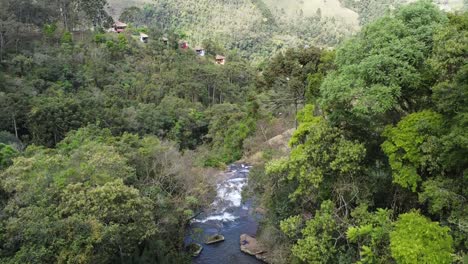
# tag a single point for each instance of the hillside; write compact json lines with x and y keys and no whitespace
{"x":255,"y":29}
{"x":370,"y":10}
{"x":309,"y":8}
{"x":116,"y":7}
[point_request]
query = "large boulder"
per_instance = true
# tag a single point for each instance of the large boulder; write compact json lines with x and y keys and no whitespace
{"x":251,"y":246}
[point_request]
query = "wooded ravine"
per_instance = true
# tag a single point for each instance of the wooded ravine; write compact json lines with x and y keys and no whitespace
{"x":346,"y":122}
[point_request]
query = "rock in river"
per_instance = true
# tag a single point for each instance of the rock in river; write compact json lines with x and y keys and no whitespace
{"x":195,"y":249}
{"x":214,"y":239}
{"x":250,"y":245}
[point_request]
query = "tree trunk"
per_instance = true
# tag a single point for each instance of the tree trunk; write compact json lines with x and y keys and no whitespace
{"x":295,"y":113}
{"x":121,"y":254}
{"x":214,"y":98}
{"x":195,"y":216}
{"x":2,"y":41}
{"x":14,"y":125}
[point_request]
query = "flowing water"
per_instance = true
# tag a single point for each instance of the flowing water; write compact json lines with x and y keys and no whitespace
{"x":228,"y":216}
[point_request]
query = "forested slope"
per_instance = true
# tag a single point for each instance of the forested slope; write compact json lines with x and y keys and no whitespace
{"x":104,"y":139}
{"x":257,"y":28}
{"x":251,"y":28}
{"x":378,"y":167}
{"x":370,"y":10}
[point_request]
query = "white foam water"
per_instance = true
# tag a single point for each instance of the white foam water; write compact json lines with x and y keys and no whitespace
{"x":229,"y":216}
{"x":225,"y":217}
{"x":228,"y":198}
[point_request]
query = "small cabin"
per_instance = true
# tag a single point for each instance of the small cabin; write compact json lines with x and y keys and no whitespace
{"x":165,"y":40}
{"x":184,"y":45}
{"x":221,"y":60}
{"x":143,"y":37}
{"x":119,"y":27}
{"x":200,"y":51}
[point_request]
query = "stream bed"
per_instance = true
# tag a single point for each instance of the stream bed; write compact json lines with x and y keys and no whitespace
{"x":227,"y":216}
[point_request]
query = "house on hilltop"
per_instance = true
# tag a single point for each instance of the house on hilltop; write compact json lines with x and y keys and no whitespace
{"x":221,"y":60}
{"x":183,"y":45}
{"x":200,"y":51}
{"x":119,"y":27}
{"x":143,"y":37}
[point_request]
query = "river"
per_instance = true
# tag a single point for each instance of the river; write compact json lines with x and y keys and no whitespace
{"x":228,"y":216}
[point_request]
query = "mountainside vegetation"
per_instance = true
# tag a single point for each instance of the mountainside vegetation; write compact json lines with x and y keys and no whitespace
{"x":252,"y":29}
{"x":370,"y":10}
{"x":257,"y":28}
{"x":378,"y":170}
{"x":109,"y":146}
{"x":99,"y":132}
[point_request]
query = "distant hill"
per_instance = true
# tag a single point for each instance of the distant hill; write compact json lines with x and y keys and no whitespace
{"x":329,"y":8}
{"x":116,"y":7}
{"x":369,"y":10}
{"x":449,"y":5}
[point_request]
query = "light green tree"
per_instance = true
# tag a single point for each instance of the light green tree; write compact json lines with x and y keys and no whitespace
{"x":412,"y":147}
{"x":7,"y":153}
{"x":418,"y":240}
{"x":318,"y":242}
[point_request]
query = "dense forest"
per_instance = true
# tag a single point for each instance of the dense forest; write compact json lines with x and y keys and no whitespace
{"x":109,"y":146}
{"x":378,"y":166}
{"x":105,"y":139}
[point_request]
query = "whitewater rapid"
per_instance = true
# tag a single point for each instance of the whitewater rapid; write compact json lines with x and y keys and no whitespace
{"x":229,"y":216}
{"x":229,"y":196}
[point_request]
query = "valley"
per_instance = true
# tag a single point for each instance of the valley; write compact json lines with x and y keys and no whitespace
{"x":233,"y":131}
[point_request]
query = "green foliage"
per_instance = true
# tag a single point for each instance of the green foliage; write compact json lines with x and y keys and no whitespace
{"x":117,"y":215}
{"x":317,"y":244}
{"x":320,"y":154}
{"x":67,"y":38}
{"x":412,"y":147}
{"x":418,"y":240}
{"x":295,"y":76}
{"x":50,"y":29}
{"x":95,"y":12}
{"x":50,"y":15}
{"x":445,"y":198}
{"x":52,"y":117}
{"x":450,"y":46}
{"x":393,"y":109}
{"x":97,"y":198}
{"x":441,"y":195}
{"x":7,"y":153}
{"x":381,"y":71}
{"x":372,"y":234}
{"x":9,"y":139}
{"x":229,"y":126}
{"x":291,"y":226}
{"x":100,"y":38}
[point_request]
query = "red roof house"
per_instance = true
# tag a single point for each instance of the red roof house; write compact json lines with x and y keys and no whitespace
{"x":221,"y":60}
{"x":119,"y":27}
{"x":184,"y":45}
